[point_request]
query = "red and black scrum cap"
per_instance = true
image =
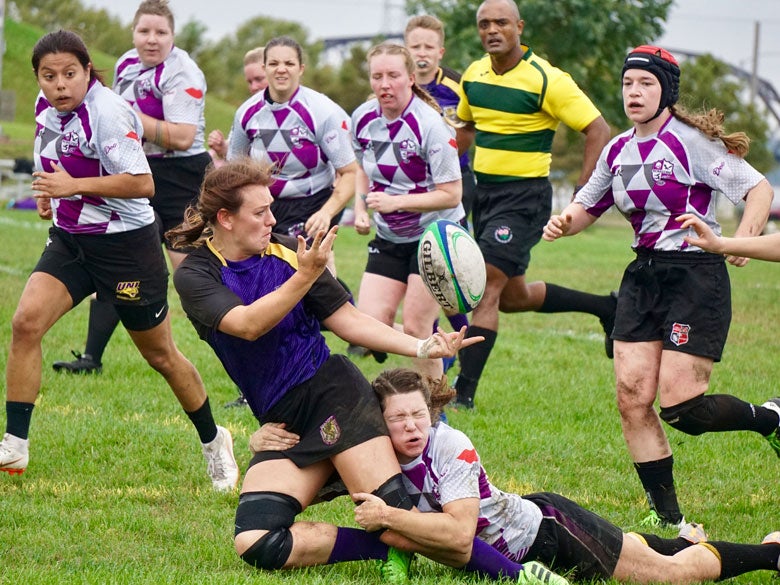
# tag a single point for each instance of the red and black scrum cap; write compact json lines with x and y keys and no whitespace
{"x":660,"y":63}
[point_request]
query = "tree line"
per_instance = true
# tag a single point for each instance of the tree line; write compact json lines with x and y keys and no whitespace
{"x":586,"y":38}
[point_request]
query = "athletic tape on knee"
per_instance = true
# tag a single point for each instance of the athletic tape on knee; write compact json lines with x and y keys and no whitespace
{"x":693,"y":416}
{"x":393,"y":493}
{"x":271,"y":511}
{"x":271,"y":551}
{"x":265,"y":511}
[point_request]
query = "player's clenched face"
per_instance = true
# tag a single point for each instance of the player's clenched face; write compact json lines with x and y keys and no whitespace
{"x":425,"y":46}
{"x":247,"y":232}
{"x":499,"y":27}
{"x":391,"y":82}
{"x":641,"y":94}
{"x":409,"y":422}
{"x":63,"y":80}
{"x":284,"y":71}
{"x":153,"y":39}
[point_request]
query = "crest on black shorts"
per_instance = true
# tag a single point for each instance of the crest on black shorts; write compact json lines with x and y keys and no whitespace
{"x":679,"y":335}
{"x":503,"y":234}
{"x":330,"y":431}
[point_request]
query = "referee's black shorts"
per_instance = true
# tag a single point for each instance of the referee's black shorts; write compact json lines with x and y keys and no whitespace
{"x":680,"y":298}
{"x":508,"y":219}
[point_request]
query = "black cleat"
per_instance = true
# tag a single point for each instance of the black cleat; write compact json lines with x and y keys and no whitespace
{"x":83,"y":364}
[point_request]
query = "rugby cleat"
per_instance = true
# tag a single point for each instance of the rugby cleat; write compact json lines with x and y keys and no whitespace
{"x":773,"y":538}
{"x":220,"y":463}
{"x":14,"y":454}
{"x":83,"y":364}
{"x":692,"y":532}
{"x":773,"y":404}
{"x":238,"y":402}
{"x":535,"y":573}
{"x":655,"y":520}
{"x":395,"y":570}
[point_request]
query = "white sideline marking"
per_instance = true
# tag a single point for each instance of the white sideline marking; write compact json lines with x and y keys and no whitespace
{"x":12,"y":271}
{"x":39,"y":225}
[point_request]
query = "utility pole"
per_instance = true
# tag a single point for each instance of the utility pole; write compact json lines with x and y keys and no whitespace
{"x":754,"y":70}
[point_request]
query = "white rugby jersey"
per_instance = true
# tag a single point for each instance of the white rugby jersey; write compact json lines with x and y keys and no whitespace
{"x":655,"y":179}
{"x":411,"y":154}
{"x":174,"y":91}
{"x":449,"y":469}
{"x":102,"y":136}
{"x":306,"y":138}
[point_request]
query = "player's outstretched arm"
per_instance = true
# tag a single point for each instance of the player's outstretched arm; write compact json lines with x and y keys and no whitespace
{"x":358,"y":328}
{"x":759,"y":247}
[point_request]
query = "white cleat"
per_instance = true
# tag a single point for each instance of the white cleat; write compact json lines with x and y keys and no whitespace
{"x":14,"y":454}
{"x":221,"y":464}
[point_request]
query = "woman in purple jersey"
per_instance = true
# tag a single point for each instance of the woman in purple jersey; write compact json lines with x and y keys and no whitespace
{"x":674,"y":304}
{"x":468,"y":523}
{"x":92,"y":179}
{"x":258,"y":298}
{"x":411,"y":177}
{"x":167,"y":91}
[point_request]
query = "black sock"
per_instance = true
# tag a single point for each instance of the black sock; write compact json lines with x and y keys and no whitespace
{"x":103,"y":319}
{"x":736,"y":559}
{"x":666,"y":546}
{"x":657,"y":478}
{"x":558,"y":299}
{"x":472,"y":362}
{"x":17,"y":418}
{"x":204,"y":422}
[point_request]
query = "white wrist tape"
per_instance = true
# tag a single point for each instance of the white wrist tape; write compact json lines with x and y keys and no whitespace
{"x":423,"y":348}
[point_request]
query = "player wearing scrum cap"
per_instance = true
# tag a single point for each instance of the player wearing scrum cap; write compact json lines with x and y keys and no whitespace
{"x":674,"y":304}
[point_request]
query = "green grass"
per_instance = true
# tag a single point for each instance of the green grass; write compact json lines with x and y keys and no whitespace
{"x":116,"y":491}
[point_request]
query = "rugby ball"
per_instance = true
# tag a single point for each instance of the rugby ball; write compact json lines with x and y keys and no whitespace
{"x":451,"y":266}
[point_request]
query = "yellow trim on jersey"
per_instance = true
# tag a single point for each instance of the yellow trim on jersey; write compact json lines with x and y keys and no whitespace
{"x":516,"y":115}
{"x":282,"y":252}
{"x":273,"y":249}
{"x":214,"y":251}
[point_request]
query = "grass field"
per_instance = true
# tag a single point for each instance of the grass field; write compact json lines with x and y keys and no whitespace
{"x":116,"y":490}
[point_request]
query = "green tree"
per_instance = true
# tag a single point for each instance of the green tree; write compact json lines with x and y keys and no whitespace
{"x":347,"y":84}
{"x":705,"y":83}
{"x":586,"y":38}
{"x":192,"y":38}
{"x":97,"y":27}
{"x":223,"y":62}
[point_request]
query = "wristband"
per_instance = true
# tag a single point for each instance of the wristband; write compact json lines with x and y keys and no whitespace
{"x":577,"y":188}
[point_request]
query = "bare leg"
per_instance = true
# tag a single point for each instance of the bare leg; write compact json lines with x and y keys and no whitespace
{"x":641,"y":564}
{"x":44,"y":300}
{"x":160,"y":351}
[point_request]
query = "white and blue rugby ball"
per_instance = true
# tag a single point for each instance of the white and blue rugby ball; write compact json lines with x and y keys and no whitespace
{"x":451,"y":266}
